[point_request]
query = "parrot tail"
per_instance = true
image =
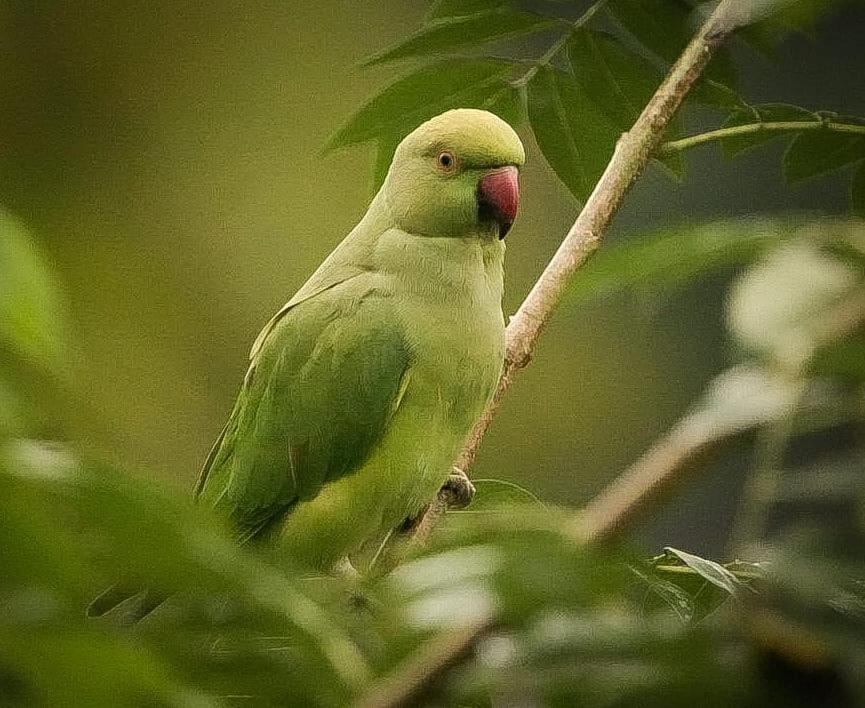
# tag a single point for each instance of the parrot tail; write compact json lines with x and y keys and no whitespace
{"x":145,"y":601}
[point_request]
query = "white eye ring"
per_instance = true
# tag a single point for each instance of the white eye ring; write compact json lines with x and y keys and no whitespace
{"x":446,"y":161}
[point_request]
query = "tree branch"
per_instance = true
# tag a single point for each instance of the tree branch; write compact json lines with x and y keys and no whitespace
{"x":629,"y":159}
{"x":660,"y":467}
{"x":682,"y":144}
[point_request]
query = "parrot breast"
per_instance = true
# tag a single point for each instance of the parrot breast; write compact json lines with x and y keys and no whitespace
{"x":446,"y":296}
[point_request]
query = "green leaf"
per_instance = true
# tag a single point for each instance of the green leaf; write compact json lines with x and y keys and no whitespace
{"x":449,"y":33}
{"x":31,"y":317}
{"x":819,"y":151}
{"x":507,"y":103}
{"x":711,"y":571}
{"x":665,"y":27}
{"x":419,"y":96}
{"x":128,"y":674}
{"x":662,"y":27}
{"x":844,"y":360}
{"x":385,"y":147}
{"x":618,"y":81}
{"x":776,"y":20}
{"x":672,"y":595}
{"x":575,"y":138}
{"x":764,"y":113}
{"x":461,"y":8}
{"x":857,"y":191}
{"x":783,"y":16}
{"x":674,"y":257}
{"x":705,"y":584}
{"x":709,"y":92}
{"x":67,"y":529}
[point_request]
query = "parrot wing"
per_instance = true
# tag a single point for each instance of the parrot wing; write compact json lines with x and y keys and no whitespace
{"x":324,"y":383}
{"x":322,"y":280}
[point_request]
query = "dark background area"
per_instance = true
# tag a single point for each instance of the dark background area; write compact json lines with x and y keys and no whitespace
{"x":169,"y":160}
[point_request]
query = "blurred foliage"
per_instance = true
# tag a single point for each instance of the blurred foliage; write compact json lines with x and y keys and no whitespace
{"x":33,"y":328}
{"x":563,"y":624}
{"x":30,"y":314}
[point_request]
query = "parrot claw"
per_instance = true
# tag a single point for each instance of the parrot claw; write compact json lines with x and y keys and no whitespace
{"x":460,"y":487}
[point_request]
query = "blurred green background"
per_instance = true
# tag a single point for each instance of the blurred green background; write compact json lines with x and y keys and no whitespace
{"x":168,"y":157}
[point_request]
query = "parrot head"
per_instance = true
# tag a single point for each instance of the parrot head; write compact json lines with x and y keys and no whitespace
{"x":456,"y":175}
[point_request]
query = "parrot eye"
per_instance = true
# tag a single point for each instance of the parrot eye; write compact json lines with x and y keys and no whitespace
{"x":446,"y":161}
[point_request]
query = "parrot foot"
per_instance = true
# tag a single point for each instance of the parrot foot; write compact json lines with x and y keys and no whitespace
{"x":460,"y":487}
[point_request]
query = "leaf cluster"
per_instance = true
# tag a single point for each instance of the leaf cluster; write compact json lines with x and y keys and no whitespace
{"x":588,"y":74}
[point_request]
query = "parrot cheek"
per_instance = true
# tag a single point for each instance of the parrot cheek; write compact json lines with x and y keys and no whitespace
{"x":498,"y":197}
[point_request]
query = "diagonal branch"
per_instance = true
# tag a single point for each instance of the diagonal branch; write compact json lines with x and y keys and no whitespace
{"x":629,"y":159}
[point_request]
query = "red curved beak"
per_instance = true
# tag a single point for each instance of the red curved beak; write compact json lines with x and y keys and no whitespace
{"x":499,"y":197}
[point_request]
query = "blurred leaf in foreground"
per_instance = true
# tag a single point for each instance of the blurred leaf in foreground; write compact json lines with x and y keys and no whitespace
{"x":31,"y":316}
{"x":676,"y":256}
{"x":794,"y":300}
{"x":68,"y":528}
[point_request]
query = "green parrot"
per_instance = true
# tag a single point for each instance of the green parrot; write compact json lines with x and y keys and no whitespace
{"x":363,"y":388}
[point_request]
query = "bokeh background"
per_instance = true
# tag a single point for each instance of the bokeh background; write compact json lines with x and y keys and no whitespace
{"x":168,"y":156}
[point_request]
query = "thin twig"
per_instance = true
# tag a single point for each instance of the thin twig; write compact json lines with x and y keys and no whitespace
{"x":691,"y":141}
{"x":685,"y":570}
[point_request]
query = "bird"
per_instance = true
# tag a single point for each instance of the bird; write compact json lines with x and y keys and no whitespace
{"x":362,"y":389}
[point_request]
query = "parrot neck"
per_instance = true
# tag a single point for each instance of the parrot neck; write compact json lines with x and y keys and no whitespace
{"x":443,"y":266}
{"x":438,"y":267}
{"x":442,"y":269}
